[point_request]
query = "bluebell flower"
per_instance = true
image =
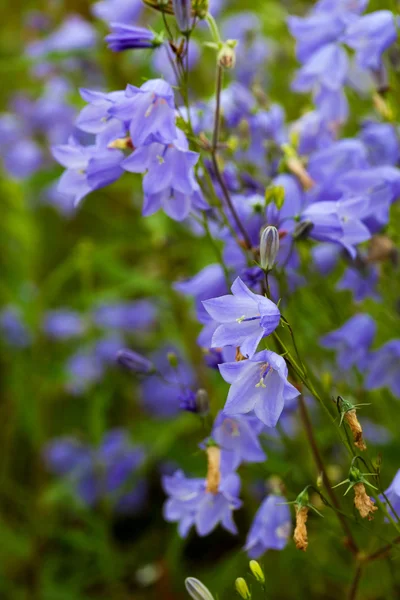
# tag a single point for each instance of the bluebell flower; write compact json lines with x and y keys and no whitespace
{"x":315,"y":31}
{"x":125,"y":316}
{"x":332,"y":105}
{"x":23,"y":159}
{"x":190,"y":504}
{"x":375,"y":193}
{"x":95,"y":117}
{"x":207,"y":283}
{"x":384,"y":368}
{"x":381,"y":142}
{"x":245,"y":318}
{"x":313,"y":132}
{"x":162,"y":393}
{"x":12,"y":328}
{"x":73,"y":34}
{"x":326,"y":67}
{"x":258,"y":384}
{"x":117,"y":10}
{"x":103,"y":169}
{"x":376,"y":434}
{"x":107,"y":347}
{"x":362,"y":282}
{"x":325,"y":257}
{"x":83,"y":370}
{"x":238,"y":440}
{"x":343,"y":7}
{"x":327,"y":165}
{"x":62,"y":324}
{"x":370,"y":36}
{"x":255,"y":49}
{"x":393,"y":494}
{"x":128,"y":37}
{"x":271,"y":527}
{"x":237,"y":102}
{"x":352,"y":341}
{"x":150,"y":110}
{"x":107,"y":472}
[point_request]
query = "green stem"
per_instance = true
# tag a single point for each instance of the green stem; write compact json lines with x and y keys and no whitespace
{"x":213,"y":28}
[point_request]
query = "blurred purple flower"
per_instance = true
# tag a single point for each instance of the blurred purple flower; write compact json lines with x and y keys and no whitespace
{"x":12,"y":328}
{"x":384,"y":368}
{"x":361,"y":282}
{"x":126,"y":316}
{"x":352,"y":342}
{"x":370,"y":36}
{"x":62,"y":324}
{"x":117,"y":10}
{"x":271,"y":527}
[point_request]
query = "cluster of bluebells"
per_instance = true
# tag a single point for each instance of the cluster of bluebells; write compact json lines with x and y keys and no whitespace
{"x":134,"y":130}
{"x":300,"y":178}
{"x":108,"y":473}
{"x":323,"y":40}
{"x":92,"y":339}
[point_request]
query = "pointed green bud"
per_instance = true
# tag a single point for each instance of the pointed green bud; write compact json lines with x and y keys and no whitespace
{"x":242,"y":588}
{"x":269,"y":247}
{"x":257,"y":571}
{"x":303,"y":498}
{"x":355,"y":475}
{"x":197,"y":590}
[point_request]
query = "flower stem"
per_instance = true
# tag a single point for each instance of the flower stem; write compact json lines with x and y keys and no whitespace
{"x":321,"y":468}
{"x":354,"y":584}
{"x":214,"y":150}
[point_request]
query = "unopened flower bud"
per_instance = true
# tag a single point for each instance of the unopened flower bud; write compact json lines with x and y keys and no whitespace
{"x":269,"y":246}
{"x":213,"y":472}
{"x":242,"y":588}
{"x":363,"y":503}
{"x":200,"y":8}
{"x":183,"y":16}
{"x":226,"y":57}
{"x":197,"y":590}
{"x":257,"y":571}
{"x":135,"y":362}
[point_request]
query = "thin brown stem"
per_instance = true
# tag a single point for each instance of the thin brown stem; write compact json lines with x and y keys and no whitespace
{"x":354,"y":584}
{"x":214,"y":151}
{"x":321,"y":469}
{"x":382,"y":552}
